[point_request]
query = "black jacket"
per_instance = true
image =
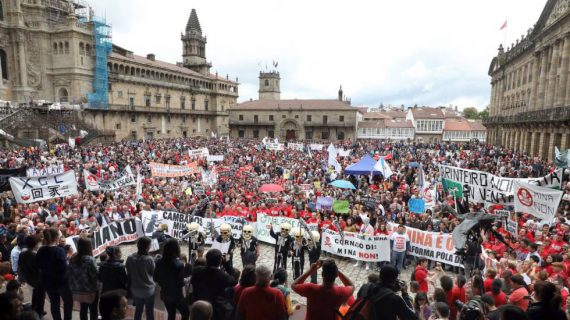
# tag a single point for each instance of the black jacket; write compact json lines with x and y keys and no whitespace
{"x":170,"y":276}
{"x":392,"y":306}
{"x":539,"y":311}
{"x":113,"y":276}
{"x":208,"y":283}
{"x":28,"y":270}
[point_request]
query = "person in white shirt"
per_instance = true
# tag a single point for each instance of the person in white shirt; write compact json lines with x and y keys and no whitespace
{"x":400,"y":243}
{"x":365,"y":230}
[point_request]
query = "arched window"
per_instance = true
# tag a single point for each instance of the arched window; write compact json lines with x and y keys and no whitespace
{"x":63,"y":95}
{"x":66,"y":47}
{"x":266,"y":83}
{"x":4,"y":64}
{"x":60,"y":48}
{"x":88,"y":49}
{"x":81,"y":48}
{"x":55,"y":48}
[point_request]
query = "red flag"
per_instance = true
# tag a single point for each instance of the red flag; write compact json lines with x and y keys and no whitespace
{"x":504,"y":25}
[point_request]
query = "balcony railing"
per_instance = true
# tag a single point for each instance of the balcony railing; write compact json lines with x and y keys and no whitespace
{"x":127,"y":108}
{"x":535,"y":116}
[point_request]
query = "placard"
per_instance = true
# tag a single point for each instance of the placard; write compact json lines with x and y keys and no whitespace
{"x":355,"y":246}
{"x":29,"y":190}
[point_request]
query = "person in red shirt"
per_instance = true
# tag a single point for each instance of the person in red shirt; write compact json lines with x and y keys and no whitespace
{"x":489,"y":277}
{"x":261,"y":301}
{"x":421,"y":274}
{"x":458,"y":291}
{"x":498,"y":295}
{"x":324,"y":300}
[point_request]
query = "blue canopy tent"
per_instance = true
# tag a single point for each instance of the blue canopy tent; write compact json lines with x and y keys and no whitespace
{"x":363,"y":167}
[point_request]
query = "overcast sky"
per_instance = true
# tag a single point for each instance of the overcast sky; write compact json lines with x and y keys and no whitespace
{"x":434,"y":52}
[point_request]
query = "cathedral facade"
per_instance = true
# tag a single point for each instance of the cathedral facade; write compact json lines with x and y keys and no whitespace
{"x":56,"y":50}
{"x":530,"y":87}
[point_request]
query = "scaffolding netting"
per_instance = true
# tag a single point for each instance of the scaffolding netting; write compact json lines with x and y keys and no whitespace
{"x":99,"y":99}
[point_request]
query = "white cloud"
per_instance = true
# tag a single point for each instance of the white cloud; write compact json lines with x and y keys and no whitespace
{"x":409,"y":51}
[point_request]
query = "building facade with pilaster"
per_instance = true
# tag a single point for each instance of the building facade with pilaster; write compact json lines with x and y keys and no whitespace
{"x":529,"y":109}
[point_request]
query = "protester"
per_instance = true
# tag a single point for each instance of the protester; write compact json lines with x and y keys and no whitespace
{"x":28,"y":272}
{"x":261,"y":301}
{"x":247,"y":279}
{"x":112,"y":272}
{"x":83,"y":279}
{"x":201,"y":310}
{"x":113,"y":305}
{"x":52,"y":266}
{"x":323,"y":300}
{"x":548,"y":302}
{"x":169,"y":274}
{"x":140,"y":269}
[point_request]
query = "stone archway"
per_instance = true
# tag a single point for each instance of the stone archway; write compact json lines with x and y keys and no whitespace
{"x":63,"y":95}
{"x":290,"y":130}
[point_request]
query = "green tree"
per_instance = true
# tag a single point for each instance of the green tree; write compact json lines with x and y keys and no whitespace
{"x":485,"y":113}
{"x":471,"y":113}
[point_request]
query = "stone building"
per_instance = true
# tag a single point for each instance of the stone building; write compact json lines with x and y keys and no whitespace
{"x":308,"y":119}
{"x":385,"y":124}
{"x":428,"y":123}
{"x":530,"y":89}
{"x":56,"y":50}
{"x":463,"y":130}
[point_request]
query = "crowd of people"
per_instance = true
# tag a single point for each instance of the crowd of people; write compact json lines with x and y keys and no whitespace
{"x":526,"y":278}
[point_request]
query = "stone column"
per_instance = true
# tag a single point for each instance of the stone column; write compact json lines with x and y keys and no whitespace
{"x":551,"y":145}
{"x":563,"y":141}
{"x":1,"y":78}
{"x":23,"y":65}
{"x":551,"y":89}
{"x":542,"y":78}
{"x":561,"y":91}
{"x":541,"y":143}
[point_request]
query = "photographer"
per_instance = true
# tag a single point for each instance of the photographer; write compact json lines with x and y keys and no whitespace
{"x":386,"y":302}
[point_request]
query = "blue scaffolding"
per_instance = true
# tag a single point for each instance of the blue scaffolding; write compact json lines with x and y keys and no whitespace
{"x":99,"y":99}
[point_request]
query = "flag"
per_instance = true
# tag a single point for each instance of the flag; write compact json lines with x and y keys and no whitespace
{"x":561,"y":159}
{"x":382,"y":166}
{"x":504,"y":25}
{"x":264,"y":140}
{"x":332,"y":158}
{"x":139,"y":186}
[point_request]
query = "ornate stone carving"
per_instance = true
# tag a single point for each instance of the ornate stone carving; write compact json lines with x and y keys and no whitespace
{"x":559,"y":10}
{"x":34,"y":77}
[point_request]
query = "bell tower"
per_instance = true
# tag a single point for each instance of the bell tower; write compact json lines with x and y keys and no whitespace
{"x":194,"y":46}
{"x":269,"y":86}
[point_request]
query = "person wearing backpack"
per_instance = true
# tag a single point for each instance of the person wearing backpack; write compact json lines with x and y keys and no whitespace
{"x":382,"y":302}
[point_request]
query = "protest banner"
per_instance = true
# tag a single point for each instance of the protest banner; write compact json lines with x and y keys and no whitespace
{"x":429,"y":197}
{"x":215,"y":158}
{"x":369,"y":202}
{"x":275,"y":146}
{"x":47,"y":171}
{"x":177,"y":222}
{"x":113,"y":234}
{"x":483,"y":187}
{"x":352,"y":245}
{"x":417,"y":205}
{"x":502,"y":213}
{"x":538,"y":201}
{"x":324,"y":203}
{"x":434,"y":246}
{"x":316,"y":147}
{"x":341,"y":206}
{"x":199,"y":190}
{"x":5,"y":175}
{"x":209,"y":178}
{"x":511,"y":226}
{"x":196,"y":153}
{"x":172,"y":171}
{"x":343,"y":153}
{"x":296,"y":146}
{"x":263,"y":221}
{"x":29,"y":190}
{"x":123,"y":179}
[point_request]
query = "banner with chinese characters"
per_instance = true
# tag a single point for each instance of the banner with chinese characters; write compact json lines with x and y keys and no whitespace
{"x":29,"y":190}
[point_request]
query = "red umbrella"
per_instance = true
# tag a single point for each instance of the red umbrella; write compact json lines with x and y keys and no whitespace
{"x":270,"y":187}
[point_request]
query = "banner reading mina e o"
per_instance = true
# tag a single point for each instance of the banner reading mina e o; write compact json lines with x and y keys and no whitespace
{"x":434,"y":246}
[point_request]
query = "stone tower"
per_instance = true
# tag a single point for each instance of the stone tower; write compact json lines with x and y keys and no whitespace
{"x":194,"y":46}
{"x":269,"y":87}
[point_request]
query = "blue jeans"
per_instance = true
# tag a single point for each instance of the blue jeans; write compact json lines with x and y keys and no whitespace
{"x":146,"y":303}
{"x":398,"y":259}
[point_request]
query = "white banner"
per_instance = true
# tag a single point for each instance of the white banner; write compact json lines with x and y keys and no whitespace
{"x":177,"y":222}
{"x":264,"y":220}
{"x":209,"y":178}
{"x":29,"y":190}
{"x":202,"y":152}
{"x":171,"y":171}
{"x":362,"y":248}
{"x":295,"y":146}
{"x":539,"y":201}
{"x":215,"y":158}
{"x":434,"y":246}
{"x":343,"y":153}
{"x":275,"y":146}
{"x":123,"y":179}
{"x":113,"y":234}
{"x":47,"y":171}
{"x":316,"y":147}
{"x":485,"y":187}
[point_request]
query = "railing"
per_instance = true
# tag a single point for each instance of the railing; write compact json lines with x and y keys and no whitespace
{"x":545,"y":115}
{"x":127,"y":108}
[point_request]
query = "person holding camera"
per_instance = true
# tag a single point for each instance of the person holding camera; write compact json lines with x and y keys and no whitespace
{"x":324,"y":300}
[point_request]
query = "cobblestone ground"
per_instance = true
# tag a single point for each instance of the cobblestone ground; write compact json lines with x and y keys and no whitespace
{"x":358,"y":275}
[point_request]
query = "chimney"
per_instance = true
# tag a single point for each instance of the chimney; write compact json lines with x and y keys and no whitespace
{"x":150,"y":56}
